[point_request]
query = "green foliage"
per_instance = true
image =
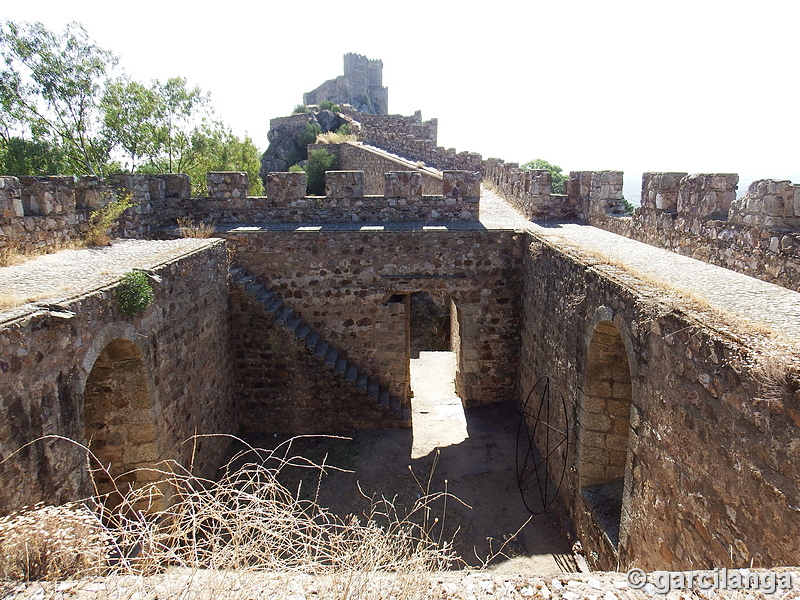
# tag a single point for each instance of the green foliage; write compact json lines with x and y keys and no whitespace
{"x":103,"y":219}
{"x":627,"y":207}
{"x":134,"y":293}
{"x":20,"y":157}
{"x":325,"y":105}
{"x":299,"y":109}
{"x":49,"y":89}
{"x":319,"y":161}
{"x":557,"y":178}
{"x":215,"y":147}
{"x":344,"y":129}
{"x":296,"y":169}
{"x":308,"y":136}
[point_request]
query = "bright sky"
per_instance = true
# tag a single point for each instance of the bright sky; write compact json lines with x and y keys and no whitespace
{"x":685,"y":85}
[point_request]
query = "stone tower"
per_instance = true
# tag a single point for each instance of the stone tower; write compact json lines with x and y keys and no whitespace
{"x":361,"y":86}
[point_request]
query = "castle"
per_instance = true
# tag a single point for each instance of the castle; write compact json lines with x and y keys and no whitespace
{"x":677,"y":444}
{"x":361,"y":86}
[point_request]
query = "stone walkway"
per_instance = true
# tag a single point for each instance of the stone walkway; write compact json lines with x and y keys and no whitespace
{"x":748,"y":299}
{"x":68,"y":274}
{"x":437,"y":415}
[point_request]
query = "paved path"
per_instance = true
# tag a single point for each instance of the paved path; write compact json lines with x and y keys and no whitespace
{"x":437,"y":415}
{"x":67,"y":274}
{"x":748,"y":299}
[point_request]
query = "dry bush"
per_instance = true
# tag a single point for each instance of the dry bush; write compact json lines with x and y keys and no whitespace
{"x":246,"y":522}
{"x":335,"y":138}
{"x":195,"y":229}
{"x":52,"y":542}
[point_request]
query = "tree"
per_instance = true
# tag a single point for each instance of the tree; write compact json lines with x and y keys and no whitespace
{"x":130,"y":114}
{"x":20,"y":157}
{"x":49,"y":89}
{"x":557,"y":178}
{"x":219,"y":149}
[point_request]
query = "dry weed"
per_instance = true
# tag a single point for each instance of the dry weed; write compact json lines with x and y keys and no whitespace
{"x":195,"y":229}
{"x":245,"y":522}
{"x":335,"y":138}
{"x":52,"y":542}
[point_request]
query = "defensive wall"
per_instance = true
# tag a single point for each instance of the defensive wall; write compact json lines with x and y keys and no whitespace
{"x":134,"y":389}
{"x":671,"y":415}
{"x":681,"y":448}
{"x":41,"y":212}
{"x":410,"y":137}
{"x":376,"y":163}
{"x":699,"y":215}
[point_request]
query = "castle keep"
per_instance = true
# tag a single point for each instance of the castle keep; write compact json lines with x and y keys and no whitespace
{"x":678,"y":442}
{"x":361,"y":86}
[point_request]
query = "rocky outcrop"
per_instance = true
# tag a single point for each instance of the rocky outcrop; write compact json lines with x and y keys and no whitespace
{"x":289,"y":136}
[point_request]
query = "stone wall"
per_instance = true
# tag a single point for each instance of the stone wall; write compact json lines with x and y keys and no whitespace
{"x":708,"y":443}
{"x":375,"y":163}
{"x":38,"y":214}
{"x":169,"y":365}
{"x":411,"y":138}
{"x":757,"y":234}
{"x":348,"y":284}
{"x":527,"y":191}
{"x":283,"y":387}
{"x":361,"y":86}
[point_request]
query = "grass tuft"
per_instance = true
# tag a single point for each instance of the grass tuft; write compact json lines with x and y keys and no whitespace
{"x":195,"y":229}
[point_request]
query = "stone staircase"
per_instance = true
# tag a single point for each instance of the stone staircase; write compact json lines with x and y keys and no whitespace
{"x":317,"y":346}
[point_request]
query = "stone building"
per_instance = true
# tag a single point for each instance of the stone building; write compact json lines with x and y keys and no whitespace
{"x":361,"y":86}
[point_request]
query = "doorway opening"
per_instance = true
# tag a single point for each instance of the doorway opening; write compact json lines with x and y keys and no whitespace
{"x":604,"y":422}
{"x":437,"y":412}
{"x":119,"y":425}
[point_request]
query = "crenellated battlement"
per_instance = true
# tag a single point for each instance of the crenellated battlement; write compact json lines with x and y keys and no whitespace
{"x":40,"y":212}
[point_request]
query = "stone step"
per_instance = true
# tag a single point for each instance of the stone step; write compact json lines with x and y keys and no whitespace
{"x":294,"y":323}
{"x":332,"y":356}
{"x":321,"y":348}
{"x":373,"y":389}
{"x":302,"y":332}
{"x":312,"y":340}
{"x":284,"y":315}
{"x":274,"y":307}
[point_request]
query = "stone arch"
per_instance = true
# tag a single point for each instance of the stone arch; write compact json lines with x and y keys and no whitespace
{"x":118,"y":416}
{"x":604,"y":419}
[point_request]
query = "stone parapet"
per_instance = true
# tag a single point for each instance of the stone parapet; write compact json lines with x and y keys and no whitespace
{"x":707,"y":195}
{"x":768,"y":204}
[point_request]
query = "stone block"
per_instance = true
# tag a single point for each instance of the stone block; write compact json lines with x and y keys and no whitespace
{"x":344,"y":184}
{"x":230,"y":186}
{"x":403,"y":184}
{"x":461,"y":184}
{"x":286,"y":186}
{"x":48,"y":195}
{"x":176,"y":185}
{"x":707,"y":195}
{"x":10,"y":202}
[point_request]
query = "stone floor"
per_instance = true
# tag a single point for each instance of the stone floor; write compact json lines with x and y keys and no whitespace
{"x":62,"y":276}
{"x":762,"y":305}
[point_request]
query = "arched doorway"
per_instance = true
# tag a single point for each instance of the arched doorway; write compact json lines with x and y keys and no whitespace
{"x":604,"y":429}
{"x":119,"y":425}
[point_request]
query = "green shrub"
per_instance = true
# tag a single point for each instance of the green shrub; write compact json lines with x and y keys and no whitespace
{"x":319,"y":161}
{"x":103,"y":219}
{"x":308,"y":136}
{"x":296,"y":169}
{"x":326,"y":105}
{"x":336,"y":108}
{"x":134,"y":293}
{"x":344,"y":129}
{"x":299,"y":109}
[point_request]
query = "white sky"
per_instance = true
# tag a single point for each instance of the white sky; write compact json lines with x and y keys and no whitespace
{"x":685,"y":85}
